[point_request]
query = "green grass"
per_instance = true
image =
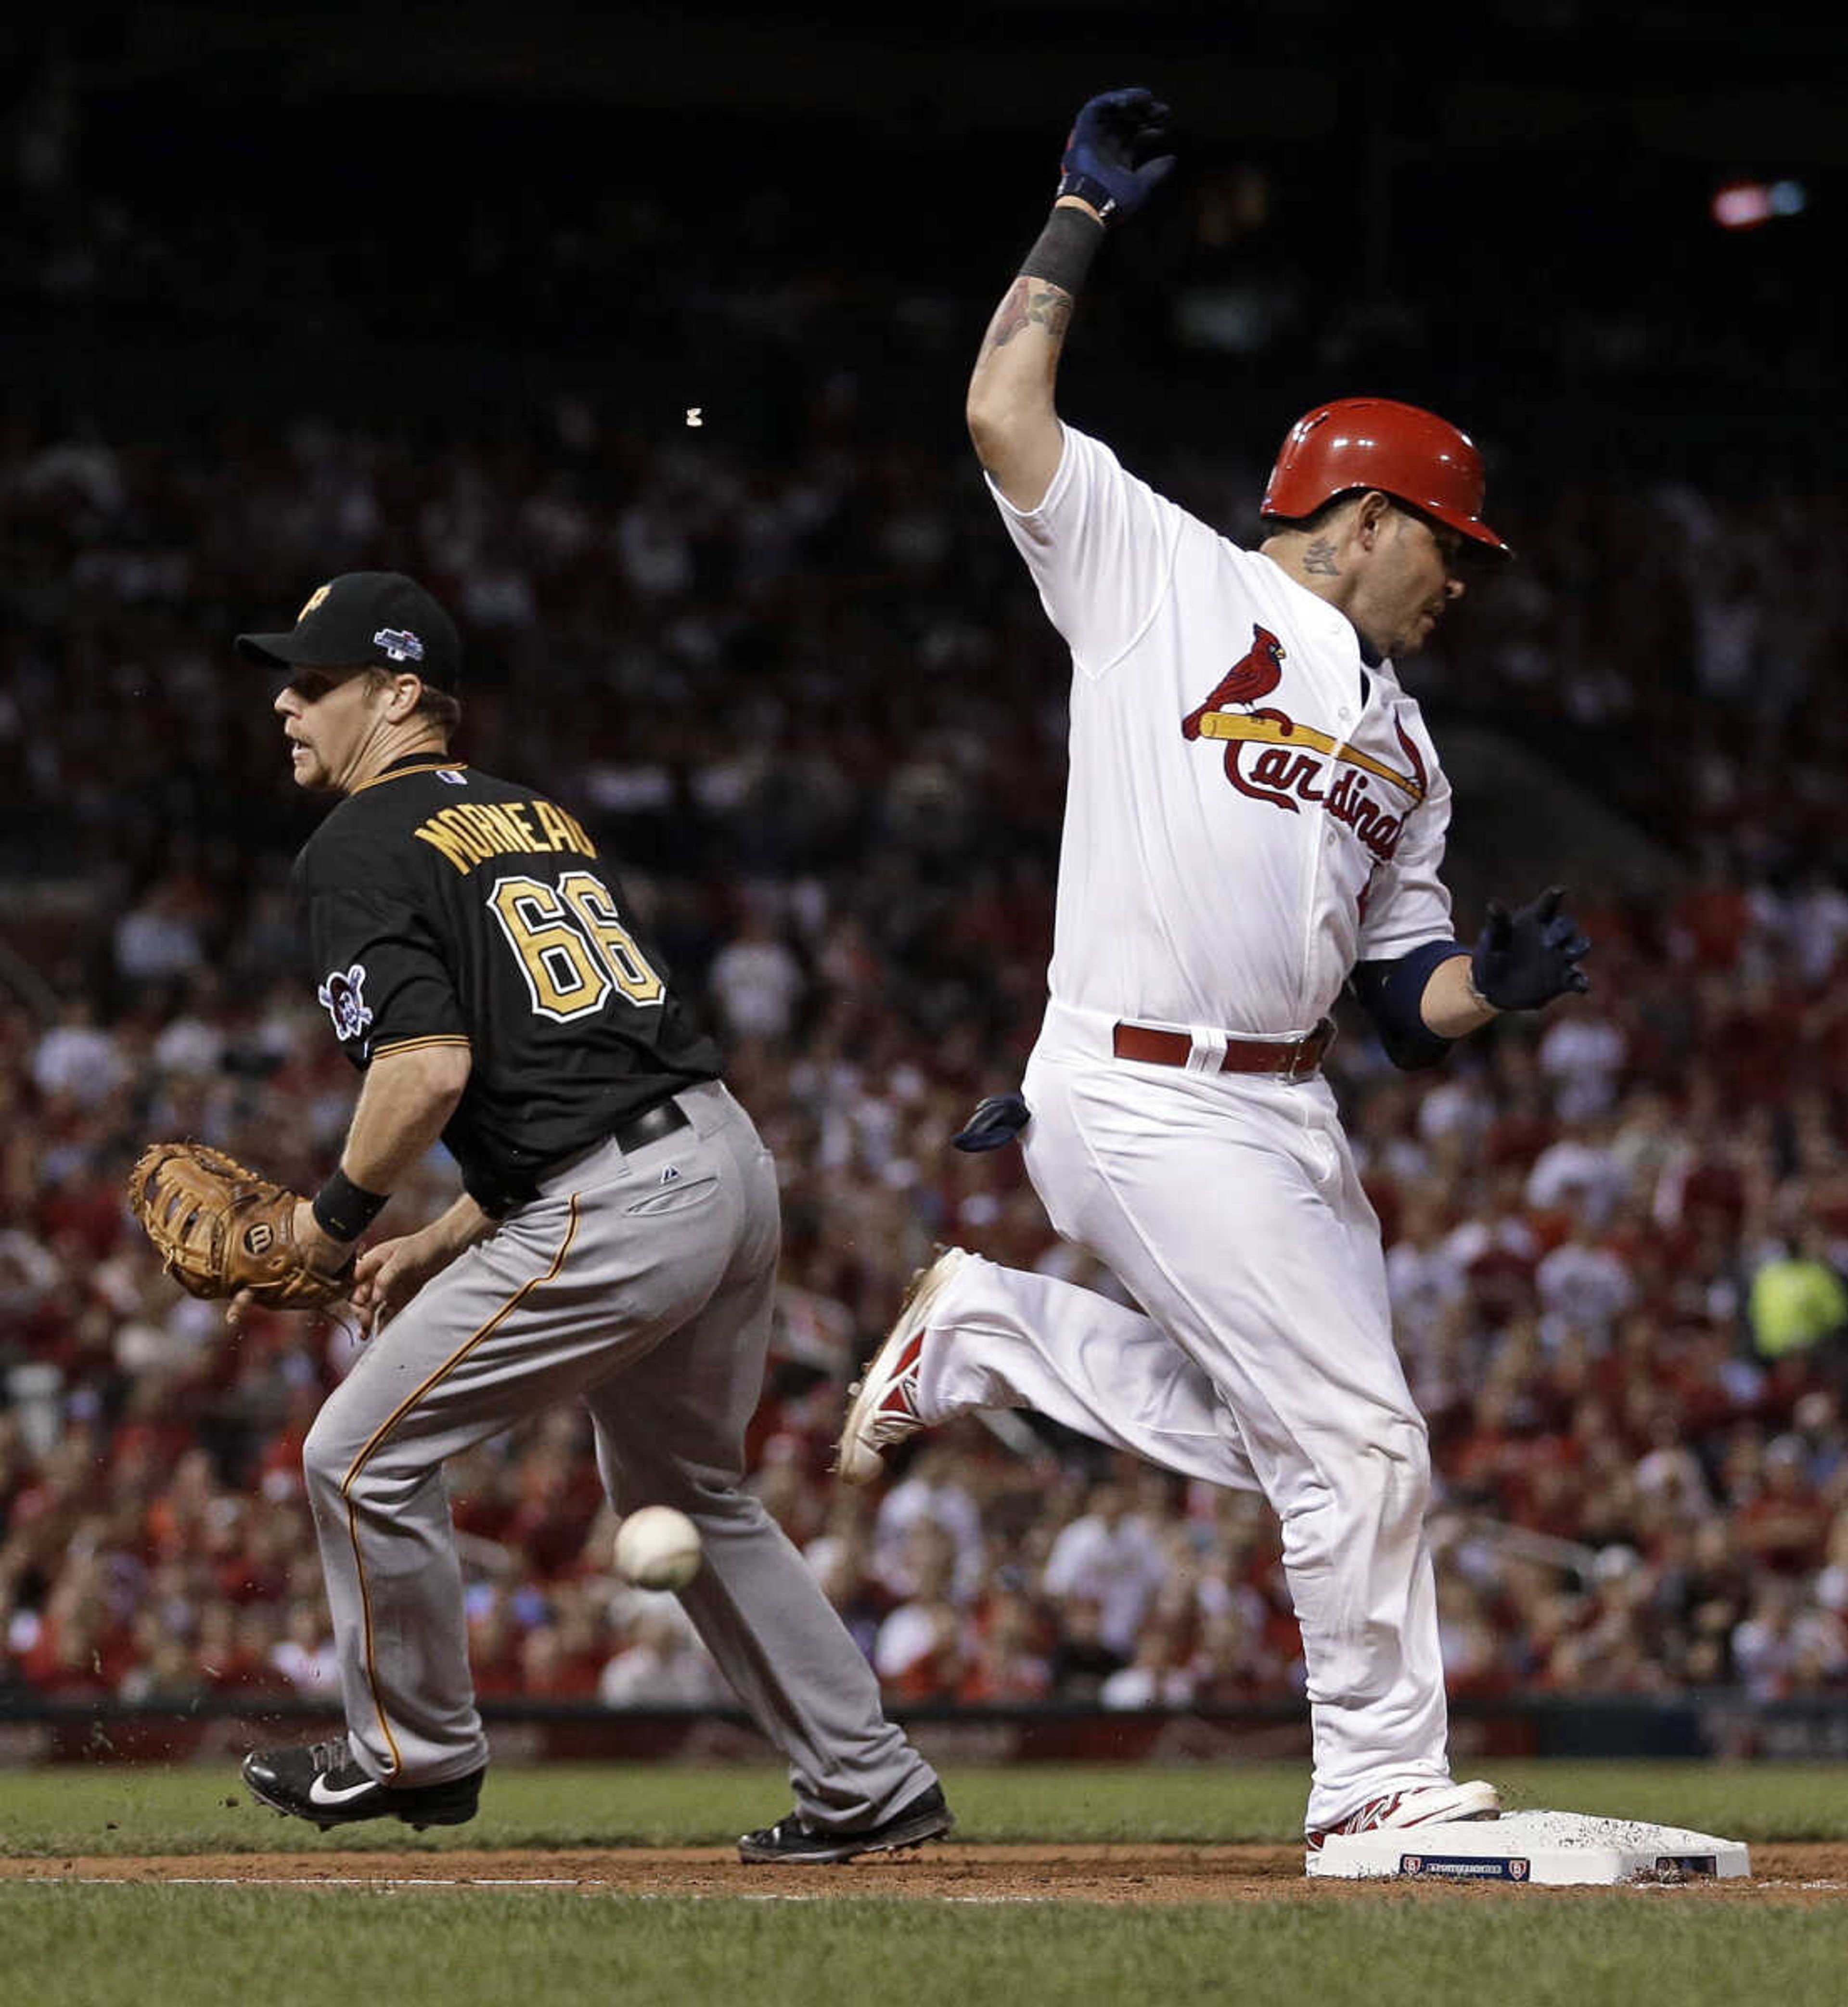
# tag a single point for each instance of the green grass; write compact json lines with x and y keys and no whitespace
{"x":228,"y":1947}
{"x":68,"y":1945}
{"x":201,"y":1808}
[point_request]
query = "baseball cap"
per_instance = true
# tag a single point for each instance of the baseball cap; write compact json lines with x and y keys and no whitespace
{"x":381,"y":618}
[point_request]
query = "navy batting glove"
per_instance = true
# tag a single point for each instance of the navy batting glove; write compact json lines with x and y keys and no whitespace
{"x":1527,"y":957}
{"x":996,"y":1121}
{"x":1113,"y":158}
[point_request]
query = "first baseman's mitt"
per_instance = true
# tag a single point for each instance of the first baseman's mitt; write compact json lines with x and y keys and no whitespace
{"x":219,"y":1228}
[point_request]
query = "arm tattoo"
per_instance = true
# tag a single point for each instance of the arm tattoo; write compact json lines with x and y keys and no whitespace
{"x":1320,"y":557}
{"x":1030,"y":302}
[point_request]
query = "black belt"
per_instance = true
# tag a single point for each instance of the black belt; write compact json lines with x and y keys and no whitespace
{"x":649,"y":1127}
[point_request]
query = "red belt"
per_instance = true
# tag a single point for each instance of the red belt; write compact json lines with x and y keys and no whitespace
{"x":1295,"y":1061}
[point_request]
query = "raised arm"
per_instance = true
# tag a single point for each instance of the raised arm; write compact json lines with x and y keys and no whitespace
{"x":1112,"y":163}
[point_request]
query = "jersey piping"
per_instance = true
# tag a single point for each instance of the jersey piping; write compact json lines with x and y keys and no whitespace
{"x":399,"y":773}
{"x":390,"y":1422}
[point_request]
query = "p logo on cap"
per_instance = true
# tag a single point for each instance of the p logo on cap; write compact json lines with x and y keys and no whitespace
{"x":375,"y":617}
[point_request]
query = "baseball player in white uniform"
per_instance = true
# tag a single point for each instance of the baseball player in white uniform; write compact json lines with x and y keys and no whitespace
{"x":1256,"y":816}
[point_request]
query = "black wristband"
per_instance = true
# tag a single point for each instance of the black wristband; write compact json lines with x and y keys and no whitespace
{"x":343,"y":1210}
{"x":1062,"y":253}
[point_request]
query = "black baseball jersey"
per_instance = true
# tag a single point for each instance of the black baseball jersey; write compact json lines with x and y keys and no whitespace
{"x":447,"y":907}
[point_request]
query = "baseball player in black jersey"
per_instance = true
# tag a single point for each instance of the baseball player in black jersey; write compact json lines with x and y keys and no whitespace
{"x":615,"y":1243}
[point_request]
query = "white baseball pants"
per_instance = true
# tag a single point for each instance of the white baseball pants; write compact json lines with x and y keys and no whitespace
{"x":1229,"y":1206}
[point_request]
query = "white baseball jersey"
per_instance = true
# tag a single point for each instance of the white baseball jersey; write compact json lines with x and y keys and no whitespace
{"x":1245,"y":819}
{"x":1241,"y":825}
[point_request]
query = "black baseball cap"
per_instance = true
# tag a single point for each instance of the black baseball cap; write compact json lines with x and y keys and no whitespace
{"x":380,"y":617}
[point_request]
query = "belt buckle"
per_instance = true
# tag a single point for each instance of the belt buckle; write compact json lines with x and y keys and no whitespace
{"x":1308,"y":1055}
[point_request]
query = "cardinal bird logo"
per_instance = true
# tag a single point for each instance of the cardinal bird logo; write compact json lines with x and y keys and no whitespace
{"x":1271,"y":758}
{"x":1254,"y":675}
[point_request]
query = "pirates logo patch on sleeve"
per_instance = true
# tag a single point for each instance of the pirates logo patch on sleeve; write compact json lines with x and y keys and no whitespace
{"x":341,"y":995}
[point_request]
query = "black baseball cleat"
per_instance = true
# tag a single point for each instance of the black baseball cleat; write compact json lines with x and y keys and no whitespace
{"x":925,"y":1818}
{"x":321,"y":1782}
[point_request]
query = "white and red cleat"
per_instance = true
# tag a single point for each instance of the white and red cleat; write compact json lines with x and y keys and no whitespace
{"x":1425,"y":1804}
{"x":883,"y":1411}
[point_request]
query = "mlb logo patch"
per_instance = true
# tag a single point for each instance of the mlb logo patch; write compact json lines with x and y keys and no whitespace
{"x":400,"y":644}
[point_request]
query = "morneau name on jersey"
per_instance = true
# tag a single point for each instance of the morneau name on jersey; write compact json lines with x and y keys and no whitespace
{"x":470,"y":833}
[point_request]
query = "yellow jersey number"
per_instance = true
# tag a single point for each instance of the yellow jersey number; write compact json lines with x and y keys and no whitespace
{"x":571,"y":944}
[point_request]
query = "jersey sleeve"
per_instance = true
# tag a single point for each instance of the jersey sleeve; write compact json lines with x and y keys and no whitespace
{"x":1100,"y":547}
{"x":379,"y":975}
{"x":1409,"y":903}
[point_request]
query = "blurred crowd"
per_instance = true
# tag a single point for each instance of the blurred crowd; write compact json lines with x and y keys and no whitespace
{"x":791,"y":677}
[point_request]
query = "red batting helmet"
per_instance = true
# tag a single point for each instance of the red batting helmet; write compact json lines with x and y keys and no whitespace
{"x":1410,"y":454}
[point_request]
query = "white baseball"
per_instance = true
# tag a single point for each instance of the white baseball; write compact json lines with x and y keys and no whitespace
{"x":658,"y":1548}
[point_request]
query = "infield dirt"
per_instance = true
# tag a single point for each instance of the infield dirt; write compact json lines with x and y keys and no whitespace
{"x":1800,"y":1875}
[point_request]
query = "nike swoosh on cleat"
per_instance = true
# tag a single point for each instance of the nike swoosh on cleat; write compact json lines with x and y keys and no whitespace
{"x":320,"y":1793}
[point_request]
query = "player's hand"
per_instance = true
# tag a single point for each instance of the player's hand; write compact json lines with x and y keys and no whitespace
{"x":318,"y":1249}
{"x":1525,"y":958}
{"x":388,"y":1275}
{"x":1114,"y":158}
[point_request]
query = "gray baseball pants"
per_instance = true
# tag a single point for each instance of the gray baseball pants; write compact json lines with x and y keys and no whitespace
{"x":642,"y":1285}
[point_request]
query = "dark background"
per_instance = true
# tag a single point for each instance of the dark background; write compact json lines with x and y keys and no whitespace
{"x":1501,"y":208}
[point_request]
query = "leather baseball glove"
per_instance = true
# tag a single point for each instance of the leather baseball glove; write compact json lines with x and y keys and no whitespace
{"x":219,"y":1228}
